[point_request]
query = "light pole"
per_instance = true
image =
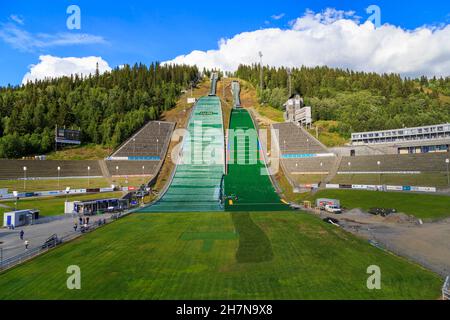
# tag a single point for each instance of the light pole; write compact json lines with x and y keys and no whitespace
{"x":289,"y":72}
{"x":89,"y":176}
{"x":134,"y":146}
{"x":59,"y":172}
{"x":260,"y":72}
{"x":117,"y":171}
{"x":349,"y":165}
{"x":24,"y":178}
{"x":447,"y":161}
{"x":16,"y":196}
{"x":379,"y":172}
{"x":321,"y":168}
{"x":157,"y":146}
{"x":143,"y":168}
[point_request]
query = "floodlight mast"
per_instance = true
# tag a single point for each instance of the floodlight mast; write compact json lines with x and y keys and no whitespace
{"x":289,"y":72}
{"x":260,"y":71}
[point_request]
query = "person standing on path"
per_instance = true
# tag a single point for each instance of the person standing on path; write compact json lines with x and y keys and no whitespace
{"x":21,"y":234}
{"x":75,"y":226}
{"x":27,"y":243}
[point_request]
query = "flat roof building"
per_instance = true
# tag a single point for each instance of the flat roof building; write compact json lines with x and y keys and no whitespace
{"x":420,"y":139}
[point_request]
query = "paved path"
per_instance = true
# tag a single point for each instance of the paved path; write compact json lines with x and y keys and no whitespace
{"x":37,"y":234}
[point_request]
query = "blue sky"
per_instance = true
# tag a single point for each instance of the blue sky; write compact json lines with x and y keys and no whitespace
{"x":145,"y":31}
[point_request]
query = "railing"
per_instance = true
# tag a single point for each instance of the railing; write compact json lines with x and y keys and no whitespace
{"x":446,"y":289}
{"x":34,"y":252}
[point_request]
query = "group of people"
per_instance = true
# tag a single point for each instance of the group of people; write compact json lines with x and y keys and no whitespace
{"x":83,"y":222}
{"x":26,"y":243}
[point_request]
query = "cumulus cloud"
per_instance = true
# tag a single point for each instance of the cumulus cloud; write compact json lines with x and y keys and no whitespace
{"x":338,"y":39}
{"x":54,"y":67}
{"x":21,"y":39}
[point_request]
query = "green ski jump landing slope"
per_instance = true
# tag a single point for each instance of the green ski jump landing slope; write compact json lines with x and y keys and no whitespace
{"x":196,"y":185}
{"x":247,"y":184}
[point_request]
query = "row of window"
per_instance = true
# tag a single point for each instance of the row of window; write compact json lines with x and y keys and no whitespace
{"x":444,"y":128}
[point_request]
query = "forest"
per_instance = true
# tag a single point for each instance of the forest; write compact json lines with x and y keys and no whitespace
{"x":107,"y":108}
{"x":358,"y":101}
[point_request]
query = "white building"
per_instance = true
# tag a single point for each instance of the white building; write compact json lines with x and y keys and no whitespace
{"x":435,"y":138}
{"x":297,"y":112}
{"x":20,"y":218}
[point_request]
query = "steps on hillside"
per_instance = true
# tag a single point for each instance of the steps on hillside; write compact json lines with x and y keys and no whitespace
{"x":333,"y":171}
{"x":105,"y":171}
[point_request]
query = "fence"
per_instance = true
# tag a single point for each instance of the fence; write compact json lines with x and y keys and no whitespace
{"x":446,"y":289}
{"x":46,"y":246}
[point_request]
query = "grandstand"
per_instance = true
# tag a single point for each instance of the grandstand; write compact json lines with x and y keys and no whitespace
{"x":143,"y":153}
{"x":302,"y":154}
{"x":132,"y":168}
{"x":149,"y":143}
{"x":14,"y":169}
{"x":296,"y":142}
{"x":408,"y":163}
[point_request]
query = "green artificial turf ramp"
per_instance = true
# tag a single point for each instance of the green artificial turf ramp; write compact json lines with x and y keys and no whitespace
{"x":196,"y":185}
{"x":247,"y":183}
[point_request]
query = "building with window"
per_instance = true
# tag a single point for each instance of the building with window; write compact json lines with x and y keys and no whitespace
{"x":295,"y":111}
{"x":425,"y":139}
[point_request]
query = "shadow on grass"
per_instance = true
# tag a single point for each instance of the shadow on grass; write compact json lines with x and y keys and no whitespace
{"x":254,"y":245}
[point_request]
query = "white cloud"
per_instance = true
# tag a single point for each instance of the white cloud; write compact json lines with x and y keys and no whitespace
{"x":23,"y":40}
{"x":54,"y":67}
{"x":17,"y":19}
{"x":337,"y":39}
{"x":278,"y":16}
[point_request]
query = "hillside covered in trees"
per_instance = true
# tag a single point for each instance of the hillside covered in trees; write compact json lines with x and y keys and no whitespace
{"x":107,"y":108}
{"x":358,"y":101}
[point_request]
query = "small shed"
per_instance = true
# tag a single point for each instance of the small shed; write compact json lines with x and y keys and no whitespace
{"x":20,"y":217}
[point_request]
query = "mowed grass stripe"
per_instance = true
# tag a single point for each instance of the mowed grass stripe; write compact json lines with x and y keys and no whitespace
{"x":145,"y":257}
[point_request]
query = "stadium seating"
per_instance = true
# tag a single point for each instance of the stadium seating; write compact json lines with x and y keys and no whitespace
{"x":13,"y":169}
{"x":295,"y":140}
{"x":424,"y":162}
{"x":150,"y":141}
{"x":309,"y":165}
{"x":128,"y":168}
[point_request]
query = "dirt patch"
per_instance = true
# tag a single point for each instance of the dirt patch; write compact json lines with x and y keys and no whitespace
{"x":400,"y":218}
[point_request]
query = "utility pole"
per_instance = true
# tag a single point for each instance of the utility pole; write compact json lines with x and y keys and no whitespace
{"x":260,"y":71}
{"x":289,"y":72}
{"x":447,"y":161}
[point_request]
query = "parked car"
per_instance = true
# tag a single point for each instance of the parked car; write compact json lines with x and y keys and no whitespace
{"x":333,"y":209}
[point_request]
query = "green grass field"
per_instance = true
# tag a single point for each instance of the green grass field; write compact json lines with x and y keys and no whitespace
{"x":239,"y":255}
{"x":423,"y":206}
{"x":52,"y":206}
{"x":84,"y":152}
{"x":53,"y":184}
{"x":247,"y":176}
